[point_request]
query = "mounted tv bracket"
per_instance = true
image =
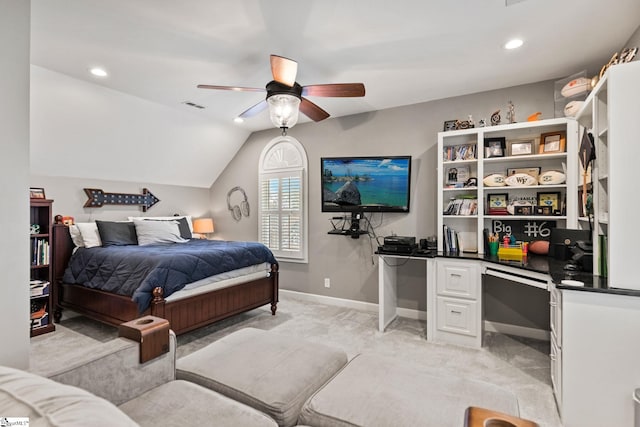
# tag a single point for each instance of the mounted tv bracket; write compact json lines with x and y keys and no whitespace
{"x":354,"y":226}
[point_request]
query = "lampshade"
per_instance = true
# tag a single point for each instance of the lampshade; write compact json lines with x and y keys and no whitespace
{"x":203,"y":225}
{"x":283,"y":110}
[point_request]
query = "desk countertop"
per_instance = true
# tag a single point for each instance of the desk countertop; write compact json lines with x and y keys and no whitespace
{"x":544,"y":265}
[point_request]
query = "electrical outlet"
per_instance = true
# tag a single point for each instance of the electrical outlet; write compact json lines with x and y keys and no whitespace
{"x":327,"y":282}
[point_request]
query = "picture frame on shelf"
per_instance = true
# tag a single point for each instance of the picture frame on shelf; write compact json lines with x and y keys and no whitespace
{"x":552,"y":142}
{"x":36,"y":193}
{"x":457,"y":175}
{"x":497,"y":202}
{"x":533,"y":171}
{"x":449,"y":125}
{"x":521,"y":147}
{"x":523,"y":210}
{"x":550,"y":199}
{"x":494,"y":147}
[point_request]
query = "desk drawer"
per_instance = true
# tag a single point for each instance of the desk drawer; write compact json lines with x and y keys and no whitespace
{"x":458,"y":279}
{"x":457,"y":316}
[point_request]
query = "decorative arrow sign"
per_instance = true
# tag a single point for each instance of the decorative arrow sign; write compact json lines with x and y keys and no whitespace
{"x":98,"y":198}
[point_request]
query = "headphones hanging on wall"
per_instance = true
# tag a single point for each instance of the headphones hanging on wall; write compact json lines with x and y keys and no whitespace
{"x":237,"y":212}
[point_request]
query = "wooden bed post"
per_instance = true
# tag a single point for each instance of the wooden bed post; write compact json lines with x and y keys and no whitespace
{"x":157,"y":303}
{"x":274,"y":298}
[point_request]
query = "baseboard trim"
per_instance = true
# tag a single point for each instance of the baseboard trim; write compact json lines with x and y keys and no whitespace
{"x":520,"y":331}
{"x":357,"y":305}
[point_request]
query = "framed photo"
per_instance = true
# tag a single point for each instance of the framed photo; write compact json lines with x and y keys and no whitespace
{"x":549,"y":199}
{"x":521,"y":147}
{"x":497,"y":200}
{"x":533,"y":171}
{"x":450,"y":125}
{"x":457,"y":175}
{"x":552,"y":142}
{"x":36,"y":193}
{"x":494,"y":147}
{"x":523,"y":210}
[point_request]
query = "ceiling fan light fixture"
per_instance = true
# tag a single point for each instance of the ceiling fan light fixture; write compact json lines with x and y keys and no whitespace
{"x":283,"y":110}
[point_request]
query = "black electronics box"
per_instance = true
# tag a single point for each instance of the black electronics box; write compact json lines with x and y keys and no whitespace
{"x":399,"y":241}
{"x":398,"y":249}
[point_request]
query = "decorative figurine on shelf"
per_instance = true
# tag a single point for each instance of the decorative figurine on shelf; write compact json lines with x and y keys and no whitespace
{"x":471,"y":122}
{"x":534,"y":117}
{"x":511,"y":114}
{"x":462,"y":124}
{"x":495,"y":118}
{"x":482,"y":123}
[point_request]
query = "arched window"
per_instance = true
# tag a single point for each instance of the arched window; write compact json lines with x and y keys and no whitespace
{"x":282,"y":214}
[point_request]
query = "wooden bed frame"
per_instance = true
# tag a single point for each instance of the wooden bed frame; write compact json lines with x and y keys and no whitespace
{"x":183,"y":315}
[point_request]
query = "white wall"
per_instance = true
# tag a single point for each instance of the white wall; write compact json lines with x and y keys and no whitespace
{"x":14,"y":175}
{"x":399,"y":131}
{"x":81,"y":129}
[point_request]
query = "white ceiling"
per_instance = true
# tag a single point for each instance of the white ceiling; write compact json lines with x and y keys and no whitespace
{"x":404,"y":51}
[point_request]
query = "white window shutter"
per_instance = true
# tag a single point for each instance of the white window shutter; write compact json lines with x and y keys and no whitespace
{"x":283,"y":210}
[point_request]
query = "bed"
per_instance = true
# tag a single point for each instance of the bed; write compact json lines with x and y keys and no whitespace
{"x":185,"y":309}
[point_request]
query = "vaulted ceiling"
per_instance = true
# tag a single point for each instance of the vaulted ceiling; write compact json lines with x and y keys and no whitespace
{"x":405,"y":52}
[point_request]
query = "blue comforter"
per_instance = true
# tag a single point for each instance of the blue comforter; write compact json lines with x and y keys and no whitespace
{"x":136,"y":270}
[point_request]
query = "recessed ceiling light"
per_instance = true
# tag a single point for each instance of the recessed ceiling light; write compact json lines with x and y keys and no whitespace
{"x":238,"y":120}
{"x":98,"y":72}
{"x":513,"y":44}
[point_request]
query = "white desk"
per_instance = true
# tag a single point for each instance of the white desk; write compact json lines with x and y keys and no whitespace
{"x":388,"y":287}
{"x":454,"y":294}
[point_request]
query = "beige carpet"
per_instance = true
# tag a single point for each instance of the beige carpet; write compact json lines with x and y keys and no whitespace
{"x":519,"y":365}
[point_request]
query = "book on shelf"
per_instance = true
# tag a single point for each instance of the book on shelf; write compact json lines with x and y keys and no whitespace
{"x":459,"y":152}
{"x":39,"y":252}
{"x":462,"y":206}
{"x":455,"y":242}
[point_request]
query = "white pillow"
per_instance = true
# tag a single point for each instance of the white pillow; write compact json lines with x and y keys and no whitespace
{"x":90,"y":234}
{"x":151,"y":232}
{"x":74,"y":231}
{"x":164,"y":218}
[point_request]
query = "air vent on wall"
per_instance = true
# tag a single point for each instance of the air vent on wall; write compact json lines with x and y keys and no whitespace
{"x":193,"y":104}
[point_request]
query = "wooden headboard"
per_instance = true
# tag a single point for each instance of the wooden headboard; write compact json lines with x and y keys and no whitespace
{"x":62,"y":250}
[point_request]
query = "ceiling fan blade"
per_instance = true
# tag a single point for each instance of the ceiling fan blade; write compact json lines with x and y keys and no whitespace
{"x":236,"y":88}
{"x":312,"y":111}
{"x":334,"y":90}
{"x":252,"y":111}
{"x":284,"y":70}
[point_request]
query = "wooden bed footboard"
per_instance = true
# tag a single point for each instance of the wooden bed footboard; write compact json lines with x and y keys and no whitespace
{"x":184,"y":314}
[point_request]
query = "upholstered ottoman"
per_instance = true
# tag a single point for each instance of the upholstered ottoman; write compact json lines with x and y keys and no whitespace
{"x":272,"y":373}
{"x":179,"y":403}
{"x":375,"y":391}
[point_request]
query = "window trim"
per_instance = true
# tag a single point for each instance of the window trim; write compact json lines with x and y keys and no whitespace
{"x":292,"y":158}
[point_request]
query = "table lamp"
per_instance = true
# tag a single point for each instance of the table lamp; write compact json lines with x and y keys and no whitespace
{"x":203,"y":226}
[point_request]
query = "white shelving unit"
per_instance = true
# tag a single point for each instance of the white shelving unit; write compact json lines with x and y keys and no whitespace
{"x":610,"y":111}
{"x":470,"y":227}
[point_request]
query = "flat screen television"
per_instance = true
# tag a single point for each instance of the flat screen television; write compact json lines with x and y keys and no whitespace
{"x":366,"y":184}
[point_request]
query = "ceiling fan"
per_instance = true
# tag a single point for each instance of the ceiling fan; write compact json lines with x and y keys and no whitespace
{"x":285,"y":96}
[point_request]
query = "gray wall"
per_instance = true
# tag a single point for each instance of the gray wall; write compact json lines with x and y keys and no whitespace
{"x":14,"y":176}
{"x":412,"y":130}
{"x":634,"y":41}
{"x":69,"y":198}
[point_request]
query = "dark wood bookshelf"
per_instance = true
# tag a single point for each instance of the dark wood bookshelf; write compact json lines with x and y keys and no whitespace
{"x":41,"y":300}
